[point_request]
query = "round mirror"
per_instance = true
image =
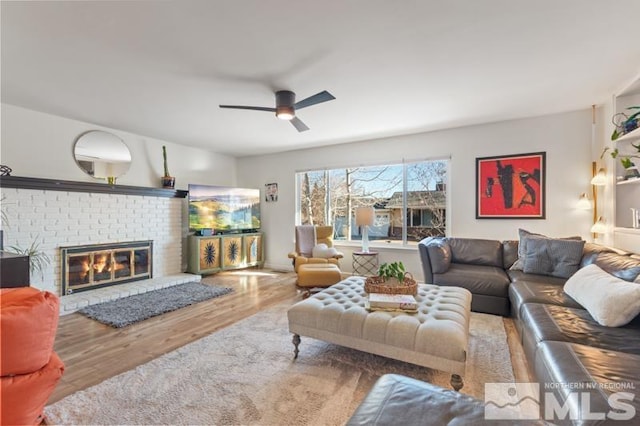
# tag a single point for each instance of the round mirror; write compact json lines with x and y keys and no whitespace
{"x":102,"y":155}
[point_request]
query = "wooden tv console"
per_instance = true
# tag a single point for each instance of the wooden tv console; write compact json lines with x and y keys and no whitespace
{"x":210,"y":254}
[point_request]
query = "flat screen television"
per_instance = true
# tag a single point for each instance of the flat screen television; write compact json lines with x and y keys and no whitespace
{"x":223,"y":209}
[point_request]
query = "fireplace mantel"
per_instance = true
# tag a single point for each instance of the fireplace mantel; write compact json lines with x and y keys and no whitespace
{"x":73,"y":186}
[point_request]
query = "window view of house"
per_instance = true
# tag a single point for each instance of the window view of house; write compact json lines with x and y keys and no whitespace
{"x":409,"y":200}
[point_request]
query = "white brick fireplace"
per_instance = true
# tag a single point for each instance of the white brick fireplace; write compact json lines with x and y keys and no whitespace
{"x":59,"y":218}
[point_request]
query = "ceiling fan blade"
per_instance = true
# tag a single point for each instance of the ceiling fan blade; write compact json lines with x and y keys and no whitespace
{"x":318,"y":98}
{"x":299,"y":125}
{"x":255,"y":108}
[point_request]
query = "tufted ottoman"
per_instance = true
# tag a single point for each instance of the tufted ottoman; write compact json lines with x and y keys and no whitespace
{"x":435,"y":337}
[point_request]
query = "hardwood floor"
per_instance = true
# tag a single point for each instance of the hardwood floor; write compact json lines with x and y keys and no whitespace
{"x":93,"y":352}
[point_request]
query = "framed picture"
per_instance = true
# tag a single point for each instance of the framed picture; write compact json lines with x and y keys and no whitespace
{"x":511,"y":186}
{"x":271,"y":192}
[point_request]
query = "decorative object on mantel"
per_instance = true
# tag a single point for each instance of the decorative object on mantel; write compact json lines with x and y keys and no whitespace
{"x":5,"y":170}
{"x":168,"y":181}
{"x":391,"y":279}
{"x":102,"y":155}
{"x":625,"y":123}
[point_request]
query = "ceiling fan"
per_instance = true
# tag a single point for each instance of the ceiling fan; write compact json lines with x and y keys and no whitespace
{"x":286,"y":106}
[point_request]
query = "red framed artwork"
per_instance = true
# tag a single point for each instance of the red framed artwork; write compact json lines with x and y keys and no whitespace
{"x":511,"y":186}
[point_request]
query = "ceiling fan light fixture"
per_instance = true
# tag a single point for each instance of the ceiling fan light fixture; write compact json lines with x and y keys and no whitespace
{"x":285,"y":113}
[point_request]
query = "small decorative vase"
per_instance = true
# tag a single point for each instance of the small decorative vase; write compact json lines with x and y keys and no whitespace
{"x":111,"y":180}
{"x":168,"y":182}
{"x":631,"y":173}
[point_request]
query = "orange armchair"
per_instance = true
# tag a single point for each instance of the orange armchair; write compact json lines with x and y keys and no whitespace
{"x":29,"y":368}
{"x":310,"y":237}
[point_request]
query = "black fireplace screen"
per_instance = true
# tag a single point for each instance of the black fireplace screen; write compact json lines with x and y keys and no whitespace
{"x":99,"y":265}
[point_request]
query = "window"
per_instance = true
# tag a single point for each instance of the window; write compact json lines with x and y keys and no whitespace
{"x":409,"y":200}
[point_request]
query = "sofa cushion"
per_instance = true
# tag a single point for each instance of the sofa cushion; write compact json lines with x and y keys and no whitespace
{"x":624,"y":267}
{"x":473,"y":251}
{"x":555,"y":257}
{"x":509,"y":253}
{"x":599,"y":373}
{"x":400,"y":400}
{"x":539,"y":292}
{"x":515,"y":276}
{"x":610,"y":301}
{"x":24,"y":396}
{"x":522,"y":246}
{"x":487,"y":280}
{"x":28,"y":324}
{"x":440,"y":256}
{"x":564,"y":324}
{"x":592,"y":250}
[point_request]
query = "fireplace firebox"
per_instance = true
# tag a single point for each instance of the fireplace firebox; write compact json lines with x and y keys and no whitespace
{"x":99,"y":265}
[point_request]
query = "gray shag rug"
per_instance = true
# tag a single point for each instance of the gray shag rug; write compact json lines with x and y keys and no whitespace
{"x":245,"y":374}
{"x":132,"y":309}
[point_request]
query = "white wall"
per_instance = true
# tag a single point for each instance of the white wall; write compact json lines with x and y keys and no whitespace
{"x":566,"y":138}
{"x":35,"y":144}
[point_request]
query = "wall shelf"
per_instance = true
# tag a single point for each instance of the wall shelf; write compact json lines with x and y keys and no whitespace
{"x":631,"y":136}
{"x":94,"y":187}
{"x":629,"y":182}
{"x":627,"y":230}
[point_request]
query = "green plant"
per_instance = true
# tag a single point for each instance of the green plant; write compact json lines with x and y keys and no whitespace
{"x":392,"y":270}
{"x":624,"y":160}
{"x":38,"y":260}
{"x":166,"y":166}
{"x":627,"y":124}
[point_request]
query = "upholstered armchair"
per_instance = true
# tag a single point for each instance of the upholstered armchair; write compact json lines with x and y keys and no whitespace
{"x":314,"y":244}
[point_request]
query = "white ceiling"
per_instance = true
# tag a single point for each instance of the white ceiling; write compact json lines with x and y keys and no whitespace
{"x":161,"y":69}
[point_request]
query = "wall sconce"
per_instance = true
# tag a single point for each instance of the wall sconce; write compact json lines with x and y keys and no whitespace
{"x":364,"y":218}
{"x":600,"y":178}
{"x":584,"y":203}
{"x":599,"y":227}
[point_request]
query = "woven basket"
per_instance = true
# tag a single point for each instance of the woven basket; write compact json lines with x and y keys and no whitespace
{"x":379,"y":285}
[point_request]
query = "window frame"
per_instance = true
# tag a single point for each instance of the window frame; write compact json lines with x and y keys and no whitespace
{"x":399,"y":243}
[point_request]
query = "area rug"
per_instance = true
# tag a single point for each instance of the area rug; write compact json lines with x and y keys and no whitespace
{"x":246,"y":374}
{"x":132,"y":309}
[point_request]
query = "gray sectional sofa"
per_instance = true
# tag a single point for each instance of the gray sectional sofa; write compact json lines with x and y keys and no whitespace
{"x":568,"y":352}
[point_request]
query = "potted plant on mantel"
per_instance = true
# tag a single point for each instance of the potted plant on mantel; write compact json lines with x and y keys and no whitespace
{"x":168,"y":181}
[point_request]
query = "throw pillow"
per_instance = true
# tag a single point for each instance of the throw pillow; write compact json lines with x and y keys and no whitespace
{"x":518,"y":265}
{"x":323,"y":251}
{"x":612,"y":302}
{"x":557,"y":258}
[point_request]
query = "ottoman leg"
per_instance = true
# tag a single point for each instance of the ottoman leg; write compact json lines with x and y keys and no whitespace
{"x":456,"y":382}
{"x":296,"y":342}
